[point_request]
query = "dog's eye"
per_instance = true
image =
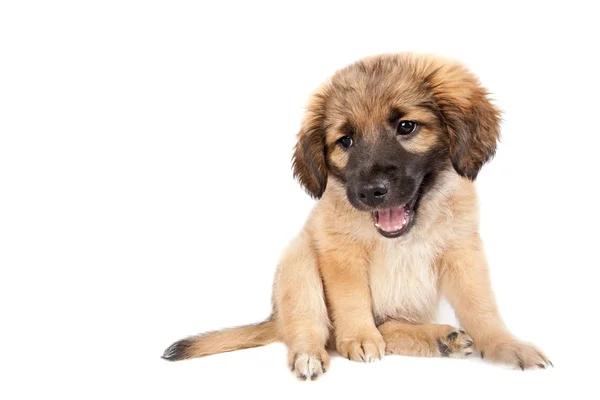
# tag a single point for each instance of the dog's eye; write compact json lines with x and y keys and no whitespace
{"x":406,"y":127}
{"x":345,"y":141}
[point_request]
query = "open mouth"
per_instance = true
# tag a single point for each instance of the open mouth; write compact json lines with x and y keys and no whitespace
{"x":394,"y":222}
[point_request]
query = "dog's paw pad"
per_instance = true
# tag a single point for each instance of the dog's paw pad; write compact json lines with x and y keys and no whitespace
{"x":456,"y":344}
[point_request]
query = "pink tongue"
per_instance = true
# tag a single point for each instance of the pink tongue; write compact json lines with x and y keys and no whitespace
{"x":391,"y":219}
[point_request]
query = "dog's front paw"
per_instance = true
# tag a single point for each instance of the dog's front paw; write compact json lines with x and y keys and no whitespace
{"x":366,"y":347}
{"x":308,"y":364}
{"x":515,"y":353}
{"x":456,"y":343}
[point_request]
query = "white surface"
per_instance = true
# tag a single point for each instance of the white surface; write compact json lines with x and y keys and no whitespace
{"x":146,"y":192}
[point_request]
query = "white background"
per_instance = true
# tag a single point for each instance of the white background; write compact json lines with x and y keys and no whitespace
{"x":146,"y":191}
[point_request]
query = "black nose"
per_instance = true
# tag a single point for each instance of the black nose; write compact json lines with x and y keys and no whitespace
{"x":373,"y":194}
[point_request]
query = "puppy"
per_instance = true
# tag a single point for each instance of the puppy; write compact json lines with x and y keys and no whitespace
{"x":390,"y":147}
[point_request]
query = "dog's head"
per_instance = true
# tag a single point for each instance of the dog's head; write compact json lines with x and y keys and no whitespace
{"x":384,"y":127}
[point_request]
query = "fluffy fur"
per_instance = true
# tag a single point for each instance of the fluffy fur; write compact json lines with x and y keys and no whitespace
{"x":342,"y":285}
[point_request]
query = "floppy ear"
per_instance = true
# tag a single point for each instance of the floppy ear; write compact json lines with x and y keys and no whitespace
{"x":470,"y":119}
{"x":308,"y":161}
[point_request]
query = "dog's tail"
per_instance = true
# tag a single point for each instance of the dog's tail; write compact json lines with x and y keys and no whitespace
{"x":206,"y":344}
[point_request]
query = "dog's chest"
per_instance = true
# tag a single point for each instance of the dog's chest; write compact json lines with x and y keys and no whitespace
{"x":404,"y":281}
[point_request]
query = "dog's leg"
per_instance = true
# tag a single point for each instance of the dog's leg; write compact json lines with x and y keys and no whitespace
{"x":346,"y":283}
{"x":428,"y":340}
{"x":300,"y":310}
{"x":465,"y":282}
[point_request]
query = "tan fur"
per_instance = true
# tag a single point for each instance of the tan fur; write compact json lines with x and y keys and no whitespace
{"x":340,"y":283}
{"x":425,"y":340}
{"x":241,"y":337}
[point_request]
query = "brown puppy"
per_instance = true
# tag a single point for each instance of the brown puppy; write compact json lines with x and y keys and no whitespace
{"x":390,"y":146}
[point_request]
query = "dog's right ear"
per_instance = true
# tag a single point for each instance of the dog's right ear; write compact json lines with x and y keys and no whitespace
{"x":308,"y":162}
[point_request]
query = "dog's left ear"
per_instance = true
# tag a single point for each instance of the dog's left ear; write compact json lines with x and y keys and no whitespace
{"x":470,"y":119}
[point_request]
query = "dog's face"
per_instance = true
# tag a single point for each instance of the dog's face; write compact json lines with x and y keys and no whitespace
{"x":385,"y":126}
